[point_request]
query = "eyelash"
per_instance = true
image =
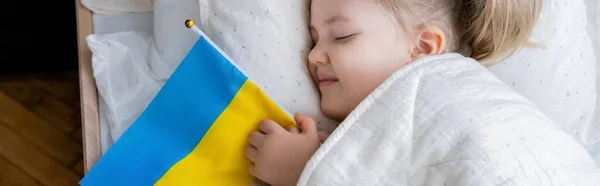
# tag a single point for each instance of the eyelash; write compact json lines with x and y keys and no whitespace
{"x":341,"y":39}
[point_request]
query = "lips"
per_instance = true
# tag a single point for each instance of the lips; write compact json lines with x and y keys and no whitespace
{"x":326,"y":80}
{"x":323,"y":83}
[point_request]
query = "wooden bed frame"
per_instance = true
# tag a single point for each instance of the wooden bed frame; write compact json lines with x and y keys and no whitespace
{"x":89,"y":98}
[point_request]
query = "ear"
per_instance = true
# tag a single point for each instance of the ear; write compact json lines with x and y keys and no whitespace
{"x":430,"y":40}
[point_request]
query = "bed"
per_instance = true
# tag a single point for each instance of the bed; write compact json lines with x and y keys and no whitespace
{"x":222,"y":27}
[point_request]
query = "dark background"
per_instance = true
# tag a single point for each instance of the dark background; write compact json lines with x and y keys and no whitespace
{"x":40,"y":115}
{"x":38,"y":37}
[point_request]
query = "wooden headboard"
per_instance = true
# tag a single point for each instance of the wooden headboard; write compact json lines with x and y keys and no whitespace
{"x":89,"y":98}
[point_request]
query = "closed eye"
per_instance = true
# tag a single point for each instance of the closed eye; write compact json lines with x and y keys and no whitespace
{"x":344,"y":38}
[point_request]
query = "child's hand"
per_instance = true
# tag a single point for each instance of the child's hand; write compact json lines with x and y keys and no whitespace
{"x":279,"y":156}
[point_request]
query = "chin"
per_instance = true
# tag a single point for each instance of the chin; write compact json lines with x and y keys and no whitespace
{"x":333,"y":111}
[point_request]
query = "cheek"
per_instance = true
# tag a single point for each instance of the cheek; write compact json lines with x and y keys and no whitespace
{"x":358,"y":87}
{"x":362,"y":67}
{"x":356,"y":79}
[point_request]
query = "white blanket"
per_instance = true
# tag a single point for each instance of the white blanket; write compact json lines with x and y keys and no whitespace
{"x":445,"y":120}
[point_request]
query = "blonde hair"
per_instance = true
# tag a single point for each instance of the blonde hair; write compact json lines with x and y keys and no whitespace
{"x":486,"y":28}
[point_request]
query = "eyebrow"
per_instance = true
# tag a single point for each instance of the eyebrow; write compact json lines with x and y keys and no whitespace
{"x":331,"y":20}
{"x":335,"y":19}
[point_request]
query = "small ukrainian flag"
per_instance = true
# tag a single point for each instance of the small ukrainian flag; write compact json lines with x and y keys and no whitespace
{"x":195,"y":130}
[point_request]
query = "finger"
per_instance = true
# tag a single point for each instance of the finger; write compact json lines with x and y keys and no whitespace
{"x":252,"y":170}
{"x":251,"y":153}
{"x":256,"y":139}
{"x":307,"y":124}
{"x":323,"y":136}
{"x":269,"y":126}
{"x":295,"y":130}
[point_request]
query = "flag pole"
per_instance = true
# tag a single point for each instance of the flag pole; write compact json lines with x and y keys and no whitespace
{"x":190,"y":24}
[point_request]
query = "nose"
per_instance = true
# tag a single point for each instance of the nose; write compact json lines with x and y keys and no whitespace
{"x":318,"y":56}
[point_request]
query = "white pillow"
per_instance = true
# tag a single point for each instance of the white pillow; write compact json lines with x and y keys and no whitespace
{"x":173,"y":39}
{"x":123,"y":78}
{"x":270,"y":40}
{"x":560,"y":75}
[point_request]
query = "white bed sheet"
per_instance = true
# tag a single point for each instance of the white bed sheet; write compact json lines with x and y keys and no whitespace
{"x":112,"y":23}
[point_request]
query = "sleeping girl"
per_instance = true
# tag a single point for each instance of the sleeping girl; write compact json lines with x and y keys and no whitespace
{"x":407,"y":79}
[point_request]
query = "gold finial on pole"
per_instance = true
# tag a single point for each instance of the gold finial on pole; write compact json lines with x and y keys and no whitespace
{"x":189,"y":23}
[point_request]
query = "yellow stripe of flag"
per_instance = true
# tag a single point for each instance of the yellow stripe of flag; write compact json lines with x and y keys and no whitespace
{"x":219,"y":157}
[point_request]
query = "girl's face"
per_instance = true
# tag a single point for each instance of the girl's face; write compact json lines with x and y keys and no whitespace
{"x":358,"y":45}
